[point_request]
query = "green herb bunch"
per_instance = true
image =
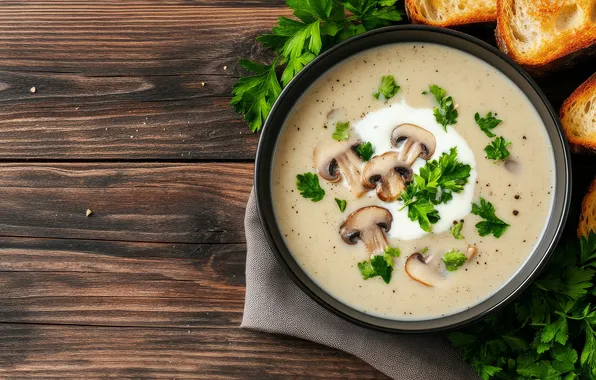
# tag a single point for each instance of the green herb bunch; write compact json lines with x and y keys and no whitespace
{"x":549,"y":332}
{"x":320,"y":24}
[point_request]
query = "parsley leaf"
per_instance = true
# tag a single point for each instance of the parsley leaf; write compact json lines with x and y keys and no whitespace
{"x":497,"y":149}
{"x":318,"y":25}
{"x":454,"y":259}
{"x":456,"y":230}
{"x":388,"y":88}
{"x":487,"y":123}
{"x":392,"y":252}
{"x":341,"y":131}
{"x":436,"y":183}
{"x":491,"y":224}
{"x":379,"y":265}
{"x":366,"y":151}
{"x":424,"y":213}
{"x":308,"y":184}
{"x":341,"y":203}
{"x":445,"y":113}
{"x":374,"y":13}
{"x":254,"y":95}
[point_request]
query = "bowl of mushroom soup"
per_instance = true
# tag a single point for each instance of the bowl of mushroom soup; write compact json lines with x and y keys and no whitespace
{"x":412,"y":179}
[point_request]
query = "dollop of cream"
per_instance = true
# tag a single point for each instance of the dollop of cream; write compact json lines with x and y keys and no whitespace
{"x":376,"y":128}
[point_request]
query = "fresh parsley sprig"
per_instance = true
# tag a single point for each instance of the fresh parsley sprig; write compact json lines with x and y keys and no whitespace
{"x":342,"y":131}
{"x":456,"y":230}
{"x":435,"y":184}
{"x":365,"y":151}
{"x":548,"y":332}
{"x":319,"y":24}
{"x":491,"y":223}
{"x":379,"y":265}
{"x":454,"y":259}
{"x":309,"y":187}
{"x":446,"y":112}
{"x":497,"y":149}
{"x":388,"y":88}
{"x":487,"y":123}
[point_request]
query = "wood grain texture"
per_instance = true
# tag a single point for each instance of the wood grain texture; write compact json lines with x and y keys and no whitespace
{"x":86,"y":282}
{"x":36,"y":351}
{"x":183,"y":203}
{"x":123,"y":80}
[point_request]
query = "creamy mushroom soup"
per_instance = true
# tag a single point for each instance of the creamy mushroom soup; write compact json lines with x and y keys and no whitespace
{"x":412,"y":181}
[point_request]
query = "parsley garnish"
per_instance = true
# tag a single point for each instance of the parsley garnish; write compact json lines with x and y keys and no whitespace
{"x":436,"y":183}
{"x":497,"y":149}
{"x":491,"y":224}
{"x":366,"y":151}
{"x":379,"y":265}
{"x":341,"y":203}
{"x":487,"y":123}
{"x":445,"y":113}
{"x":456,"y":230}
{"x":341,"y":131}
{"x":254,"y":95}
{"x":454,"y":259}
{"x":548,"y":332}
{"x":308,"y":184}
{"x":388,"y":88}
{"x":319,"y":24}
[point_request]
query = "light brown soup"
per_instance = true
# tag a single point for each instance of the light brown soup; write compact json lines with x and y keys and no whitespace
{"x":521,"y":197}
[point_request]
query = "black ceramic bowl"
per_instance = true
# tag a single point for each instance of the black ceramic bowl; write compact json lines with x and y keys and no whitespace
{"x":390,"y":35}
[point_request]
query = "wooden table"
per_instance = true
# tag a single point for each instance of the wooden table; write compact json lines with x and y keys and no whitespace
{"x":151,"y":285}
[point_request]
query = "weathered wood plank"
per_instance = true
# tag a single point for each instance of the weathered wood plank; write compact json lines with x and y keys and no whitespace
{"x":130,"y":38}
{"x":126,"y":117}
{"x":83,"y":282}
{"x":36,"y":351}
{"x":122,"y":81}
{"x":183,"y":203}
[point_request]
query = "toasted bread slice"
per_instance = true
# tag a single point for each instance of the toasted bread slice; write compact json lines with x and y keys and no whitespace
{"x":545,"y":34}
{"x":587,"y":219}
{"x":451,"y":12}
{"x":578,"y":116}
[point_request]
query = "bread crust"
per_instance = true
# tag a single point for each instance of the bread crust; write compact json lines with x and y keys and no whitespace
{"x":581,"y":95}
{"x":414,"y":12}
{"x":563,"y":52}
{"x":584,"y":227}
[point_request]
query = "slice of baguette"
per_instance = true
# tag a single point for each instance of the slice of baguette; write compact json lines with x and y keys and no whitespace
{"x":451,"y":12}
{"x":578,"y":116}
{"x":543,"y":35}
{"x":587,"y":219}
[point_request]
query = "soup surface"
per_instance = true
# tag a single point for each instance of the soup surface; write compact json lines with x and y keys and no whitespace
{"x":430,"y":285}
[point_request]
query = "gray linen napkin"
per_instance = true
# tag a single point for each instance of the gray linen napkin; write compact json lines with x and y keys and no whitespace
{"x":275,"y":304}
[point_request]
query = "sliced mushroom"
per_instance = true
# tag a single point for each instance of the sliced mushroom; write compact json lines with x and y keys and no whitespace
{"x":417,"y":142}
{"x":367,"y":224}
{"x":428,"y":270}
{"x":388,"y":174}
{"x":338,"y":158}
{"x":424,"y":269}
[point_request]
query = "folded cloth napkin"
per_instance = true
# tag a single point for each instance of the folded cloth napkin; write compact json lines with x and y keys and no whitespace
{"x":275,"y":304}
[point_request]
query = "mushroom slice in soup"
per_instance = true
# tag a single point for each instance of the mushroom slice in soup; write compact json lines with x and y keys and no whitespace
{"x":424,"y":269}
{"x":428,"y":270}
{"x":335,"y":159}
{"x":388,"y":174}
{"x":417,"y":142}
{"x":368,"y":224}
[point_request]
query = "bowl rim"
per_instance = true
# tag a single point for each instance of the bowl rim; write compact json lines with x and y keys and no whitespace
{"x":543,"y":250}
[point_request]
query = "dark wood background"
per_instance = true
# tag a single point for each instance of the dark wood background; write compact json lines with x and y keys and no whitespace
{"x":152,"y":284}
